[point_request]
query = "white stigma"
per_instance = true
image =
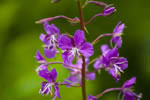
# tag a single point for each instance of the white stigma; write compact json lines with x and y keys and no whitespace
{"x":75,"y":51}
{"x":53,"y":41}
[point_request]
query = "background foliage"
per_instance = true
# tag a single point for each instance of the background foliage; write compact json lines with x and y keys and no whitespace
{"x":19,"y":40}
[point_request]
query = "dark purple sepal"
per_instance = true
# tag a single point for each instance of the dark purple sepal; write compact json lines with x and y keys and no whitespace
{"x":116,"y":35}
{"x":91,"y":97}
{"x":129,"y":96}
{"x":50,"y":52}
{"x":129,"y":83}
{"x":40,"y":58}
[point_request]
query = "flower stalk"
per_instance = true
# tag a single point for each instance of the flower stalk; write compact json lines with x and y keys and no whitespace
{"x":58,"y":62}
{"x":100,"y":36}
{"x":72,"y":20}
{"x":108,"y":90}
{"x":82,"y":25}
{"x":100,"y":14}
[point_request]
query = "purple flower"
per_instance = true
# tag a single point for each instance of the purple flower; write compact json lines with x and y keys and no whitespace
{"x":111,"y":62}
{"x":41,"y":60}
{"x":91,"y":97}
{"x":75,"y":46}
{"x":75,"y":74}
{"x":108,"y":11}
{"x":50,"y":40}
{"x":50,"y":83}
{"x":117,"y":39}
{"x":127,"y":92}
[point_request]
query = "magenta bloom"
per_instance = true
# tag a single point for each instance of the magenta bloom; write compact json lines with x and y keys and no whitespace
{"x":117,"y":39}
{"x":50,"y":40}
{"x":111,"y":62}
{"x":75,"y":46}
{"x":50,"y":83}
{"x":41,"y":60}
{"x":75,"y":74}
{"x":127,"y":92}
{"x":91,"y":97}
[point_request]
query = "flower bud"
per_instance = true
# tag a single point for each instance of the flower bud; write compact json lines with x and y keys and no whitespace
{"x":98,"y":3}
{"x":108,"y":11}
{"x":55,"y":1}
{"x":74,"y":20}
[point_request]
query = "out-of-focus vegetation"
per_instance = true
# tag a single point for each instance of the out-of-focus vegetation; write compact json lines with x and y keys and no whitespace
{"x":19,"y":40}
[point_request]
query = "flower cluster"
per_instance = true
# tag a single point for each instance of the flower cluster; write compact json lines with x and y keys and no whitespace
{"x":110,"y":59}
{"x":76,"y":52}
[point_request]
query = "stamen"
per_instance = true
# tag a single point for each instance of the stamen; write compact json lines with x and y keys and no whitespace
{"x":52,"y":42}
{"x":47,"y":86}
{"x":37,"y":69}
{"x":121,"y":62}
{"x":117,"y":68}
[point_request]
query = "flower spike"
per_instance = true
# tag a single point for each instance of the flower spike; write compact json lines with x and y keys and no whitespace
{"x":76,"y":52}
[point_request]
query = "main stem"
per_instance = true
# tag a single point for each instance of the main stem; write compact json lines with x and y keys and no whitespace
{"x":81,"y":15}
{"x":83,"y":58}
{"x":83,"y":79}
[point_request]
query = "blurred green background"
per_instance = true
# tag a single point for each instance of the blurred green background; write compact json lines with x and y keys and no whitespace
{"x":19,"y":40}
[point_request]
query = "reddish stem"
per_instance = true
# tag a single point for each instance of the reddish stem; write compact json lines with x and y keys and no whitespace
{"x":83,"y":79}
{"x":108,"y":90}
{"x":56,"y":17}
{"x":100,"y":14}
{"x":99,"y":37}
{"x":58,"y":62}
{"x":81,"y":15}
{"x":82,"y":25}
